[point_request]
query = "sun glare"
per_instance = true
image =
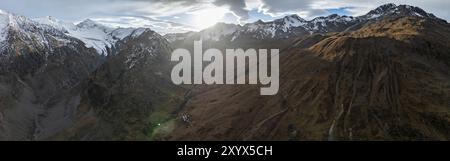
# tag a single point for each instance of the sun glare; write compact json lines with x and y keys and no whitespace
{"x":208,"y":17}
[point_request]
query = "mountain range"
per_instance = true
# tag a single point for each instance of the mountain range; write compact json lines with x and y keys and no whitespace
{"x":380,"y":76}
{"x":293,"y":26}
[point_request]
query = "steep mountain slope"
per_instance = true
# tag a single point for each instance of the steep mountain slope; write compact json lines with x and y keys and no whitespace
{"x":37,"y":64}
{"x":288,"y":27}
{"x":130,"y":94}
{"x":387,"y":80}
{"x":55,"y":80}
{"x":275,"y":34}
{"x":280,"y":32}
{"x":380,"y":76}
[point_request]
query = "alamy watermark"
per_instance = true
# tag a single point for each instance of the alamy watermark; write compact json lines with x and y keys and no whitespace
{"x":236,"y":62}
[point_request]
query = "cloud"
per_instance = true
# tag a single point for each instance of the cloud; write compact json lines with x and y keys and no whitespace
{"x":159,"y":12}
{"x":125,"y":13}
{"x":161,"y":26}
{"x":237,"y":7}
{"x":274,"y":7}
{"x":312,"y":8}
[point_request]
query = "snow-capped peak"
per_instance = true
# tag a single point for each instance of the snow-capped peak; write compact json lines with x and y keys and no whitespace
{"x":26,"y":27}
{"x":4,"y":20}
{"x":56,"y":23}
{"x":294,"y":17}
{"x":289,"y":21}
{"x":89,"y":24}
{"x":93,"y":34}
{"x":385,"y":8}
{"x":391,"y":9}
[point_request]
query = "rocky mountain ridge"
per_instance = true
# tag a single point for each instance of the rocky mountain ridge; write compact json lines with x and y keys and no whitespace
{"x":292,"y":26}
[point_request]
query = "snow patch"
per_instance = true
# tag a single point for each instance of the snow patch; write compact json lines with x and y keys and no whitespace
{"x":4,"y":19}
{"x":93,"y":34}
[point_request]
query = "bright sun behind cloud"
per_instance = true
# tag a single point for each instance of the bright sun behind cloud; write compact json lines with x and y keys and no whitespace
{"x":208,"y":17}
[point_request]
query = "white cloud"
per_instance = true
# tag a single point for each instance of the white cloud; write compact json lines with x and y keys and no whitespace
{"x":237,"y":7}
{"x":354,"y":7}
{"x":162,"y":26}
{"x":118,"y":12}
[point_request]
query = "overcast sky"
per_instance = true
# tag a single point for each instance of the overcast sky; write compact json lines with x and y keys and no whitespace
{"x":185,"y":15}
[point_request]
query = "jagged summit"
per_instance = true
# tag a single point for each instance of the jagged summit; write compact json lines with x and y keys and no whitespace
{"x":387,"y":6}
{"x":92,"y":33}
{"x":88,"y":23}
{"x":21,"y":27}
{"x":333,"y":17}
{"x":293,"y":25}
{"x":294,"y":17}
{"x":56,"y":23}
{"x":259,"y":22}
{"x":391,"y":9}
{"x":291,"y":18}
